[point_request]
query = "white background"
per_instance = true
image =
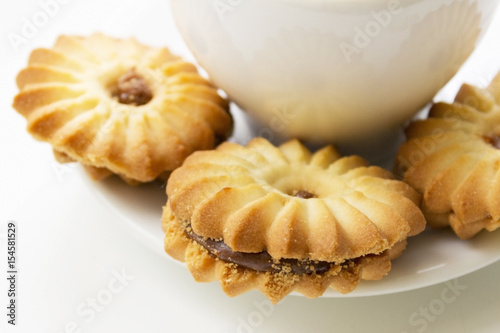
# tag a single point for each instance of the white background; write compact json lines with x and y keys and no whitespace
{"x":71,"y":246}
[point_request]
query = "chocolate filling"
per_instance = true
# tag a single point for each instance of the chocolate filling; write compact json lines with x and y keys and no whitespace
{"x":132,"y":89}
{"x":262,"y":261}
{"x":303,"y":194}
{"x":492,"y":140}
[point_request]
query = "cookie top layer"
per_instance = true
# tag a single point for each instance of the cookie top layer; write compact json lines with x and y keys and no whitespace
{"x":292,"y":203}
{"x":453,"y":159}
{"x":116,"y":104}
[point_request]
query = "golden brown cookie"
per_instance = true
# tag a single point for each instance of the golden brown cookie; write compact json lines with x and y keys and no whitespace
{"x":453,"y":159}
{"x":281,"y":219}
{"x":120,"y":107}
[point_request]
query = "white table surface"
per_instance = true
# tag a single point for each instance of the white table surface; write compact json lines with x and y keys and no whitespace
{"x":72,"y":247}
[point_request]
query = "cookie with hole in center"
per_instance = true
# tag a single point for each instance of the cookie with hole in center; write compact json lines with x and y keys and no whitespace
{"x":282,"y":219}
{"x":119,"y":107}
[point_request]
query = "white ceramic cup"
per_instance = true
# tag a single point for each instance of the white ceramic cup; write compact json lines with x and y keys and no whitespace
{"x":348,"y":72}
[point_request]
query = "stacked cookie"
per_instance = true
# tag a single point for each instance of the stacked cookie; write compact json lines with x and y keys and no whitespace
{"x":120,"y":107}
{"x":453,"y":159}
{"x":281,"y":219}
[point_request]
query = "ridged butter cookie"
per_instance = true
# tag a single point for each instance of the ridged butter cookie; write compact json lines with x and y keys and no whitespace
{"x":281,"y":219}
{"x":453,"y":159}
{"x":119,"y":107}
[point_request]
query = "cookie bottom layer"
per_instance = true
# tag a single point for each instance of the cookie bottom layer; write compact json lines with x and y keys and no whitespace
{"x":98,"y":174}
{"x":235,"y":280}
